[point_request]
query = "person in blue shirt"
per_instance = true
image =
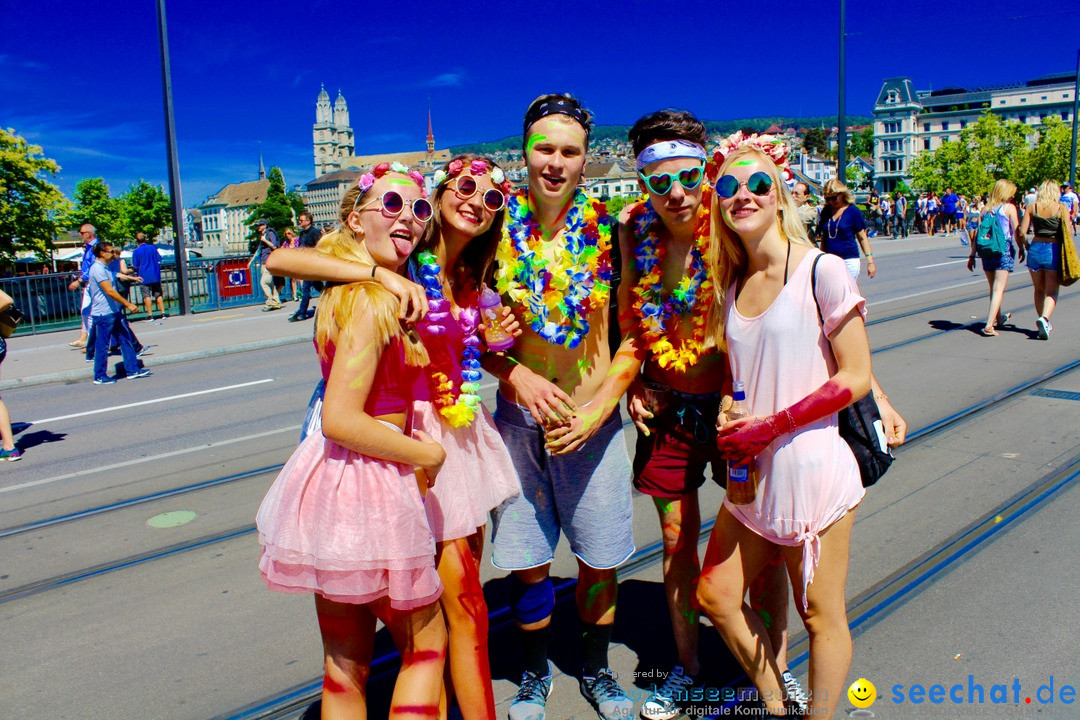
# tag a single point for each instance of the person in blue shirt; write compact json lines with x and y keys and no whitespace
{"x":842,"y":229}
{"x":88,"y":233}
{"x":147,"y":262}
{"x":948,"y":208}
{"x":106,"y":311}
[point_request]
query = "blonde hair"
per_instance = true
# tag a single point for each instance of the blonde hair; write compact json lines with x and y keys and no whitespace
{"x":1002,"y":192}
{"x":835,"y":187}
{"x":727,"y":258}
{"x":334,"y":314}
{"x":1049,"y":192}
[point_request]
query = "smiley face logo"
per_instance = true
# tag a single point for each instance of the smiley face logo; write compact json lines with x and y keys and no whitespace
{"x":862,"y":693}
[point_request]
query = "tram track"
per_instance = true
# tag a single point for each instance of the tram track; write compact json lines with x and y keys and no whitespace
{"x":868,"y":608}
{"x":236,"y":477}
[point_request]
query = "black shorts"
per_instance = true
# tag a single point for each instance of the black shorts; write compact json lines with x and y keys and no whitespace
{"x":152,"y":290}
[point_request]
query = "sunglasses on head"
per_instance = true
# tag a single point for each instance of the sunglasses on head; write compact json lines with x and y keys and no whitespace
{"x":465,"y":187}
{"x":393,"y":204}
{"x":759,"y":184}
{"x":661,"y":183}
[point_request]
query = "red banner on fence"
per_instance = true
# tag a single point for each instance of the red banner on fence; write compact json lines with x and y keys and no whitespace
{"x":234,"y":278}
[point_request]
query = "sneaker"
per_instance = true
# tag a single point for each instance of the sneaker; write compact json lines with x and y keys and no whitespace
{"x":145,"y":372}
{"x":297,"y":317}
{"x":1044,"y":328}
{"x":105,"y":381}
{"x":145,"y":351}
{"x":666,"y":701}
{"x":963,"y":241}
{"x":793,"y":690}
{"x":531,"y":698}
{"x":606,"y":697}
{"x":11,"y":455}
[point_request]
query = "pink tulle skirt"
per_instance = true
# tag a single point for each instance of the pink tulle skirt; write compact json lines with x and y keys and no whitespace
{"x":477,"y":476}
{"x":349,"y":527}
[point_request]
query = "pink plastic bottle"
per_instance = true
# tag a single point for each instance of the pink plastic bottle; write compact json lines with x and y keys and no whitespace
{"x":495,"y":337}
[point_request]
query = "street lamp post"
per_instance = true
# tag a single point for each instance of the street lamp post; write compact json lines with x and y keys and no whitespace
{"x":174,"y":167}
{"x":841,"y":120}
{"x":1075,"y":123}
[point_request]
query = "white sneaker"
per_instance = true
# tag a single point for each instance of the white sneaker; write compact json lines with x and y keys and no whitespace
{"x":793,"y":690}
{"x":1044,"y":328}
{"x":667,"y":701}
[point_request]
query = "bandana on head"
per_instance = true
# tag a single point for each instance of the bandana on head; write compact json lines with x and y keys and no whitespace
{"x":562,"y":106}
{"x":668,"y":149}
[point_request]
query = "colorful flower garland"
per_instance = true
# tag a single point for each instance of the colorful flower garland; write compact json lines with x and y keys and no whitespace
{"x":573,"y":276}
{"x":693,"y":293}
{"x":478,"y":167}
{"x":365,"y":181}
{"x":461,"y":410}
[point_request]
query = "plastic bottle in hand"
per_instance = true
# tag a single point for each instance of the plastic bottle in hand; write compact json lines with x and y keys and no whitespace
{"x":495,"y":337}
{"x":742,"y":481}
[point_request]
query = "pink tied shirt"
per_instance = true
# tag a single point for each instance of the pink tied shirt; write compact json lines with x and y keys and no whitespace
{"x":809,"y":478}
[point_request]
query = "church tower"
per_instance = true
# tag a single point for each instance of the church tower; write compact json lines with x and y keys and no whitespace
{"x":430,"y":160}
{"x":324,"y":135}
{"x":342,"y":129}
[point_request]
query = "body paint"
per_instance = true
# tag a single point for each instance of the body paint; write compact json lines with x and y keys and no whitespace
{"x":594,"y":592}
{"x":401,"y":181}
{"x":423,"y":710}
{"x":532,"y":142}
{"x":332,"y":686}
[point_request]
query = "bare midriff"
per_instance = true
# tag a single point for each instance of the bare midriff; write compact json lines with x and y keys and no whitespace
{"x":578,"y":372}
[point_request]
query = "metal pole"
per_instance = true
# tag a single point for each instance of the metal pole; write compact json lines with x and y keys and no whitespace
{"x":1076,"y":109}
{"x":841,"y":119}
{"x":174,"y":167}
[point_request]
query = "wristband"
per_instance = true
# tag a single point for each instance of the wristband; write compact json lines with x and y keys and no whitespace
{"x":869,"y":255}
{"x":373,"y":269}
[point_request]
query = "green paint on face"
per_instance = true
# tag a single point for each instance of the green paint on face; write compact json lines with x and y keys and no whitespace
{"x":538,"y":138}
{"x":743,"y":163}
{"x":596,"y":589}
{"x":401,"y":181}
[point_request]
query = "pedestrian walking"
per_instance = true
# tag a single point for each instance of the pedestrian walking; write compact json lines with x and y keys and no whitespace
{"x":345,"y":518}
{"x":308,"y":239}
{"x":808,"y":213}
{"x":804,"y":509}
{"x":997,"y":266}
{"x":268,"y":242}
{"x":8,"y":451}
{"x":900,"y":228}
{"x":88,"y":233}
{"x":147,"y":262}
{"x":842,"y":229}
{"x":1049,"y":217}
{"x":107,"y":319}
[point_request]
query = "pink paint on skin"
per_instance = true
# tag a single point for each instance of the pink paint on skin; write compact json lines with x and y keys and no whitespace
{"x":421,"y":656}
{"x":422,"y":710}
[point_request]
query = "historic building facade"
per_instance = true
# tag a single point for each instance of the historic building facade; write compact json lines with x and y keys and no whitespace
{"x":908,"y":121}
{"x":332,"y":135}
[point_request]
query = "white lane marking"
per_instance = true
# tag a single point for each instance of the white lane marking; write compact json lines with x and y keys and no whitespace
{"x":152,"y":458}
{"x":151,"y":402}
{"x":926,"y":292}
{"x":951,"y":262}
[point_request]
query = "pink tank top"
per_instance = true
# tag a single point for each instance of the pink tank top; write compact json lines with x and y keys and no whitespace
{"x":444,"y":351}
{"x":392,"y":386}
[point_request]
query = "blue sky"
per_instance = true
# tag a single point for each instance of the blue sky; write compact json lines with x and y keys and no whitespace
{"x":83,"y":79}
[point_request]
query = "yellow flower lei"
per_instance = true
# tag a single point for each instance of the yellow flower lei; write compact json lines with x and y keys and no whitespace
{"x":694,"y":293}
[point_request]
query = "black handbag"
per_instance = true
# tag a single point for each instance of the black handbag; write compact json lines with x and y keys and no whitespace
{"x":860,"y":423}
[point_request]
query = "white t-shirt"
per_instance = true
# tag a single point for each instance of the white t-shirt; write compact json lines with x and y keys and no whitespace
{"x":809,"y":478}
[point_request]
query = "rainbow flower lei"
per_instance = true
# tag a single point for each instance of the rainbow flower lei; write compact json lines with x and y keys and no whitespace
{"x":573,"y":277}
{"x":693,"y":293}
{"x":461,"y":410}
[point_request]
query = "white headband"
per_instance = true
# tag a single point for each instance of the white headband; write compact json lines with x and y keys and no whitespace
{"x":668,"y":149}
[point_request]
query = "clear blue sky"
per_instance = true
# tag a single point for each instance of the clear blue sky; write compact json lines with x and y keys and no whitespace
{"x":83,"y":79}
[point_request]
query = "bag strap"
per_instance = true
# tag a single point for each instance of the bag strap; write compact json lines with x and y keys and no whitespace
{"x":813,"y":290}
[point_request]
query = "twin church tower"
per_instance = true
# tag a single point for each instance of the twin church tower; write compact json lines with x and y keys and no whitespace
{"x":335,"y":149}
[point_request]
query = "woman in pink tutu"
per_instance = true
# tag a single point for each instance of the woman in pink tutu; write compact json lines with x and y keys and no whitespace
{"x":478,"y":474}
{"x":345,"y":519}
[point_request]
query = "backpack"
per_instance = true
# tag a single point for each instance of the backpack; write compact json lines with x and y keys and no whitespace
{"x":990,"y":240}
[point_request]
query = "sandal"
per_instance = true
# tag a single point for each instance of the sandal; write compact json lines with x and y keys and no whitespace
{"x":1002,"y":318}
{"x":989,"y":332}
{"x":77,"y":344}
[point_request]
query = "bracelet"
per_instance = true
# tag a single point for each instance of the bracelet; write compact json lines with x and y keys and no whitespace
{"x":782,"y":417}
{"x":373,"y":269}
{"x":868,"y":255}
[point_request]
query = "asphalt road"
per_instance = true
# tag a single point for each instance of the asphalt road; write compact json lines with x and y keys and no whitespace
{"x":111,"y":615}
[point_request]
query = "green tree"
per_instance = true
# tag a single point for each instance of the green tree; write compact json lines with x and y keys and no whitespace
{"x":296,"y":202}
{"x":32,"y":209}
{"x":988,"y":149}
{"x":616,"y":204}
{"x":1049,"y":159}
{"x":862,"y":143}
{"x":94,"y":205}
{"x":815,"y":140}
{"x":146,"y":209}
{"x":276,"y":209}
